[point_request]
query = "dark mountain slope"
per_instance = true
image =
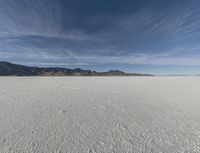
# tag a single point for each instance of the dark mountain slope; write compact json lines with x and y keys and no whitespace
{"x":10,"y":69}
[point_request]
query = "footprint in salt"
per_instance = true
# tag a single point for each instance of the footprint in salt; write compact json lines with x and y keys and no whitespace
{"x":103,"y":107}
{"x":91,"y":151}
{"x":61,"y":111}
{"x":100,"y":107}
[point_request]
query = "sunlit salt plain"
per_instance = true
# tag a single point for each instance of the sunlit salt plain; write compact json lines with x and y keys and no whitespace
{"x":99,"y":114}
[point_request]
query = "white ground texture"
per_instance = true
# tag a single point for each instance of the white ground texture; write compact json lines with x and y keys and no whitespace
{"x":100,"y":115}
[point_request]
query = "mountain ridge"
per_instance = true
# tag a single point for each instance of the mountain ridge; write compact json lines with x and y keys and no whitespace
{"x":10,"y":69}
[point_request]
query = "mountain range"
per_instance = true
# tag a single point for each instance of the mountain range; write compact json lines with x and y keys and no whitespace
{"x":10,"y":69}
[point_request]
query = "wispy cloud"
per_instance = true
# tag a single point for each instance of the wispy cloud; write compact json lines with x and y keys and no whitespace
{"x":35,"y":31}
{"x":29,"y":17}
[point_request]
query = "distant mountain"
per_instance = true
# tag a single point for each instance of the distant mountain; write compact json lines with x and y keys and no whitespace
{"x":120,"y":73}
{"x":10,"y":69}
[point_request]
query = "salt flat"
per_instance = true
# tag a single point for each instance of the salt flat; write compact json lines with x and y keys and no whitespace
{"x":99,"y":114}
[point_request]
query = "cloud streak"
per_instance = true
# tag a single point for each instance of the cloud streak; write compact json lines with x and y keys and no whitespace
{"x":29,"y":18}
{"x":44,"y":32}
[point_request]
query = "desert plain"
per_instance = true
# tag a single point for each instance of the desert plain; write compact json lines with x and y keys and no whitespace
{"x":100,"y":114}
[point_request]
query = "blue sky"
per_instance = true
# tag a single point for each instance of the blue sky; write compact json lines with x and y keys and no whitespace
{"x":147,"y":36}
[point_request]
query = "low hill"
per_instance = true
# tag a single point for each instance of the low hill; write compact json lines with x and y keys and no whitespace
{"x":10,"y":69}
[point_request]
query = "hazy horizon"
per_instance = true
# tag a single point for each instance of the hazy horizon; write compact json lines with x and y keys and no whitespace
{"x":157,"y":36}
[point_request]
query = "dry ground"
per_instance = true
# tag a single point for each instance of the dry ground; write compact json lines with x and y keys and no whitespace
{"x":99,"y":114}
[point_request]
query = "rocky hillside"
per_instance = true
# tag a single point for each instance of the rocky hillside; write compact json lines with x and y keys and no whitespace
{"x":10,"y":69}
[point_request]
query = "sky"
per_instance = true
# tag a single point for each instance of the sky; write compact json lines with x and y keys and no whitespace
{"x":144,"y":36}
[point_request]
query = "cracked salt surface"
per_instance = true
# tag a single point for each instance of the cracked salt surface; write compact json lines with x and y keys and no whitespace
{"x":99,"y":114}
